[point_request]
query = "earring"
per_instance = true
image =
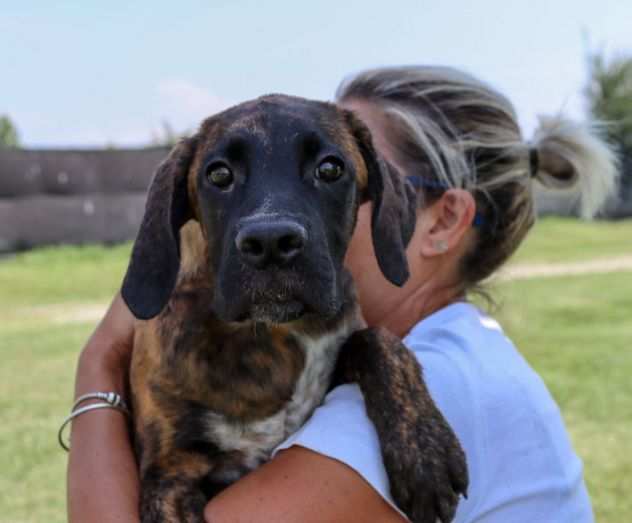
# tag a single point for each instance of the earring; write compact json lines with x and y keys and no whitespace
{"x":441,"y":245}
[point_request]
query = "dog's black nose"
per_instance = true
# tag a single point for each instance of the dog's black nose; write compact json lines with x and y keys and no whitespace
{"x":265,"y":243}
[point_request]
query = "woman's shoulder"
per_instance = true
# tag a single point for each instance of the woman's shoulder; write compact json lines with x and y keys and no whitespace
{"x":508,"y":423}
{"x":480,"y":380}
{"x":520,"y":460}
{"x":469,"y":349}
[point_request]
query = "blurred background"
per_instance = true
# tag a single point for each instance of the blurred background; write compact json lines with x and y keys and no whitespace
{"x":93,"y":94}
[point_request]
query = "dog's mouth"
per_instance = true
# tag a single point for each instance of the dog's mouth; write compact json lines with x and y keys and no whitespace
{"x":276,"y":303}
{"x":276,"y":311}
{"x":270,"y":299}
{"x":276,"y":295}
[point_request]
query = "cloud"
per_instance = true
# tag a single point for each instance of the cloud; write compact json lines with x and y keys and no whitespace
{"x":179,"y":103}
{"x":184,"y":104}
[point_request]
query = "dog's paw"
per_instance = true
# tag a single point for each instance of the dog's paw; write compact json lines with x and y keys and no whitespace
{"x":423,"y":458}
{"x":427,"y":469}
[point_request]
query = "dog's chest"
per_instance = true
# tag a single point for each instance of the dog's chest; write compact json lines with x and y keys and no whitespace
{"x":254,"y":441}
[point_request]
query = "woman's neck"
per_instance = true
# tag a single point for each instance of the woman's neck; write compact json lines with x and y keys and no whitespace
{"x":419,"y":304}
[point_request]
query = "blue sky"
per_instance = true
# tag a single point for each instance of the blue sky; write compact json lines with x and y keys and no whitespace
{"x":89,"y":72}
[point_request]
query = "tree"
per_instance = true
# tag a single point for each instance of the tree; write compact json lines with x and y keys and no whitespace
{"x":609,"y":95}
{"x":8,"y":133}
{"x":167,"y":135}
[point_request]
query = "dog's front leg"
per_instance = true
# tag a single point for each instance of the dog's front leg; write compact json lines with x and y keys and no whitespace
{"x":175,"y":491}
{"x":171,"y":500}
{"x":422,"y":455}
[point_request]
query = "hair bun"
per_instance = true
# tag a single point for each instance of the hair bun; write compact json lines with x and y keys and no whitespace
{"x":574,"y":156}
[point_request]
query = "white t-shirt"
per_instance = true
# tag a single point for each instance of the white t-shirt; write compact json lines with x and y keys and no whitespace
{"x":521,"y":463}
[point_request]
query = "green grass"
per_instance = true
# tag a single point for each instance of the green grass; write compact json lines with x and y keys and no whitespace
{"x":63,"y":274}
{"x":36,"y":380}
{"x":38,"y":365}
{"x":569,"y":240}
{"x":575,"y":331}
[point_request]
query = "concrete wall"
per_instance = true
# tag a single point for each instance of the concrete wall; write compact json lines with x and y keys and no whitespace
{"x":98,"y":196}
{"x":73,"y":196}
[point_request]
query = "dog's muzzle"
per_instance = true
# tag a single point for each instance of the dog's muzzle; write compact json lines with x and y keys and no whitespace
{"x":276,"y":270}
{"x":262,"y":244}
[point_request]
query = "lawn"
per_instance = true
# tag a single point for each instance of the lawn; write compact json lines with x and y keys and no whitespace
{"x":569,"y":240}
{"x":576,"y":331}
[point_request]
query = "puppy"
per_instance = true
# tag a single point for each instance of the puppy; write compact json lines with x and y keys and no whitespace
{"x":250,"y":316}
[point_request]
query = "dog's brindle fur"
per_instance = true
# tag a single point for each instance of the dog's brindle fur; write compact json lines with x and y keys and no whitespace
{"x":234,"y":356}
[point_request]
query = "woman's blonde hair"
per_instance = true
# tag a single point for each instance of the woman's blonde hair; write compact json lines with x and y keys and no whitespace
{"x":457,"y":132}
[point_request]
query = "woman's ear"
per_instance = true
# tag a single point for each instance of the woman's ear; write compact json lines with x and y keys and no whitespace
{"x":446,"y":222}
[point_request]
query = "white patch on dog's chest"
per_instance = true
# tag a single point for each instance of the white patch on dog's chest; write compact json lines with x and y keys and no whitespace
{"x":257,"y":439}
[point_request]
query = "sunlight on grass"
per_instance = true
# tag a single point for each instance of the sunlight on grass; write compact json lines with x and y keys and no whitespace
{"x":575,"y":331}
{"x":36,"y":380}
{"x":569,"y":240}
{"x":63,"y":274}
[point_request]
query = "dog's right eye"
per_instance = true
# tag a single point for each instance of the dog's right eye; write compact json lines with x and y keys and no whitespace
{"x":330,"y":169}
{"x":219,"y":175}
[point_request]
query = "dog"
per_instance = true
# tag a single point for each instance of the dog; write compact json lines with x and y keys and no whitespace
{"x":247,"y":315}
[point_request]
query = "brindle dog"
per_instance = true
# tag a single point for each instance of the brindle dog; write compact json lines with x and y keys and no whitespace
{"x":238,"y":270}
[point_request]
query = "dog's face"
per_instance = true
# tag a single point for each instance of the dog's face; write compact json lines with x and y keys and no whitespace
{"x":275,"y":184}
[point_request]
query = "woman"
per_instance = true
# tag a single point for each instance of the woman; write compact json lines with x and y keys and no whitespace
{"x":475,"y":176}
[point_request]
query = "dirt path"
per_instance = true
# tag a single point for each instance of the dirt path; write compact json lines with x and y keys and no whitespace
{"x":551,"y":270}
{"x":71,"y":313}
{"x":93,"y":312}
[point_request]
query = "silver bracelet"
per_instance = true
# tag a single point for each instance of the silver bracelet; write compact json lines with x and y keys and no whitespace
{"x":111,"y":400}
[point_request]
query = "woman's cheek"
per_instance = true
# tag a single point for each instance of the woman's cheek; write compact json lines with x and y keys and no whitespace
{"x":360,"y":257}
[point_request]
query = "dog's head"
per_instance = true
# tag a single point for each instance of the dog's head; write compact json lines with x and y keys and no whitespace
{"x":275,"y":184}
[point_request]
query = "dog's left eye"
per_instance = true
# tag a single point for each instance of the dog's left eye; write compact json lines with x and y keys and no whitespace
{"x":330,"y":169}
{"x":219,"y":175}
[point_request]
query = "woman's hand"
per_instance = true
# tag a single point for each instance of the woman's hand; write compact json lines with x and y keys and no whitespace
{"x":103,"y":480}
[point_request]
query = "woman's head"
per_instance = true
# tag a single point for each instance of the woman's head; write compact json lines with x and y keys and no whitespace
{"x":461,"y":141}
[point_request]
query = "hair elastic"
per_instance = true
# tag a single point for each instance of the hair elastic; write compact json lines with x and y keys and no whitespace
{"x":534,"y":161}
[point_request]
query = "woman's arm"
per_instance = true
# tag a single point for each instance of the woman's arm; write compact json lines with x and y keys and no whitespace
{"x":297,"y":486}
{"x":102,"y":471}
{"x":301,"y":486}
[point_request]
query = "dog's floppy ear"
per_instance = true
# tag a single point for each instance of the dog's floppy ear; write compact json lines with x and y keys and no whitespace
{"x":394,"y":207}
{"x":153,"y":268}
